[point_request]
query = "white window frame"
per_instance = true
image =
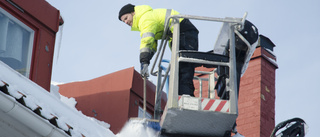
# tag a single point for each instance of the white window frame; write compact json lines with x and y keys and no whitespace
{"x":31,"y":39}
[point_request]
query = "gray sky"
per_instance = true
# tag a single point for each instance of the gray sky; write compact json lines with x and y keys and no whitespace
{"x":95,"y":43}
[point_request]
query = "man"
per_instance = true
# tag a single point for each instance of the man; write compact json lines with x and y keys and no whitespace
{"x":150,"y":23}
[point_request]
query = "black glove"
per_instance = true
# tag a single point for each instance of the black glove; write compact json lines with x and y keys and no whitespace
{"x":144,"y":70}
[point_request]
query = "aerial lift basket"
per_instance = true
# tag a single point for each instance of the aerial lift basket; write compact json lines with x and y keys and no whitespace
{"x":192,"y":116}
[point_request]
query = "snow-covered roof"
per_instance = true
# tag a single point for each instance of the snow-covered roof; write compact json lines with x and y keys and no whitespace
{"x":26,"y":109}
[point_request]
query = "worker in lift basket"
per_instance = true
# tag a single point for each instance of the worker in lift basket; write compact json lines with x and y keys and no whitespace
{"x":150,"y":22}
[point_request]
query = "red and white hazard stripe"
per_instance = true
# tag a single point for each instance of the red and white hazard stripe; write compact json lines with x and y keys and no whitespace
{"x":215,"y":105}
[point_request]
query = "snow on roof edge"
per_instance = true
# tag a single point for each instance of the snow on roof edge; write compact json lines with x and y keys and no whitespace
{"x":78,"y":121}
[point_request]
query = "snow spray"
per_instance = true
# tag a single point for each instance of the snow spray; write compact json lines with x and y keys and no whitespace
{"x":137,"y":128}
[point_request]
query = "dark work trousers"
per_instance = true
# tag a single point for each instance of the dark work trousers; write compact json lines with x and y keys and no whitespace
{"x":188,"y":41}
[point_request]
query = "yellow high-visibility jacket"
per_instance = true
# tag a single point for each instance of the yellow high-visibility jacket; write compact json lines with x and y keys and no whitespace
{"x":150,"y":23}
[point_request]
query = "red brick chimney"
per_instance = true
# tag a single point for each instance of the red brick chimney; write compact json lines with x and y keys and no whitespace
{"x":257,"y":92}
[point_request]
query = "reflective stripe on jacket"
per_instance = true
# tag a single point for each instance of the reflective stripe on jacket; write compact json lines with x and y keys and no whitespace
{"x":150,"y":23}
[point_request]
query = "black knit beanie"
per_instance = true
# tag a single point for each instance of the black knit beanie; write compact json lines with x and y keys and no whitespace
{"x":126,"y":9}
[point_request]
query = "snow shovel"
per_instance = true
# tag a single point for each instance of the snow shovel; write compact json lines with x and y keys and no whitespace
{"x":152,"y":123}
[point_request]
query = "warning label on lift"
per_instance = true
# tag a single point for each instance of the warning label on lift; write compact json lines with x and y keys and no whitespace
{"x":188,"y":102}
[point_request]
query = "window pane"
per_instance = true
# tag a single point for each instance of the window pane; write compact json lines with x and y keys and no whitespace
{"x":16,"y":42}
{"x":140,"y":114}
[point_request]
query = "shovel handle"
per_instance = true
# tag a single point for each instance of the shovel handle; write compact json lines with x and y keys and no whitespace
{"x":144,"y":96}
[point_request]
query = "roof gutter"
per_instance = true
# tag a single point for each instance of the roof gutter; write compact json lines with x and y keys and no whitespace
{"x":24,"y":115}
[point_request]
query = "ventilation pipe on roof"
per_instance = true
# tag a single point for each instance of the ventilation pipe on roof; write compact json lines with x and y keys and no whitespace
{"x":25,"y":116}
